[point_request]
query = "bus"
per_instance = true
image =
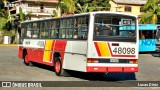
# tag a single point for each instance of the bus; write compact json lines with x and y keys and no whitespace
{"x":74,"y":43}
{"x":147,"y":39}
{"x":147,"y":34}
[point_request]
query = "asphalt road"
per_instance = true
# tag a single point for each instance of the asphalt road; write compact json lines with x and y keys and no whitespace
{"x":13,"y":69}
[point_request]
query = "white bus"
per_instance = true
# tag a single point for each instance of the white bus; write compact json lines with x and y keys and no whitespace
{"x":89,"y":42}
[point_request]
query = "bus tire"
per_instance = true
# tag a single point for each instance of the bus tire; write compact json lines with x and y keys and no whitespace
{"x":58,"y":67}
{"x":26,"y":60}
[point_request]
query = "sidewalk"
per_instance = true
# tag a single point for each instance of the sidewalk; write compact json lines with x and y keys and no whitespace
{"x":8,"y":45}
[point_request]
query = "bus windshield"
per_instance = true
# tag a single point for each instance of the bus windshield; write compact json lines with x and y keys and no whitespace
{"x":114,"y":27}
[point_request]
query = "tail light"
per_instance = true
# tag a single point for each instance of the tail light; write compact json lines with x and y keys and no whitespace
{"x":133,"y":61}
{"x":91,"y":60}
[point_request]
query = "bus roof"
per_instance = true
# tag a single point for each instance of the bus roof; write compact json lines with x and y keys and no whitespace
{"x":97,"y":12}
{"x":148,"y":26}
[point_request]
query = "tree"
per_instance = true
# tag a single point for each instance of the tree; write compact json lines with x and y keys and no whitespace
{"x":152,"y":12}
{"x":3,"y":13}
{"x":82,"y":9}
{"x":2,"y":23}
{"x":93,"y":5}
{"x":55,"y":14}
{"x":1,"y":4}
{"x":66,"y":6}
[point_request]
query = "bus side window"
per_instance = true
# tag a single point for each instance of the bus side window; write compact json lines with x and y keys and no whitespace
{"x":75,"y":29}
{"x":142,"y":36}
{"x":84,"y":31}
{"x":83,"y":27}
{"x":148,"y":35}
{"x":28,"y":34}
{"x":75,"y":35}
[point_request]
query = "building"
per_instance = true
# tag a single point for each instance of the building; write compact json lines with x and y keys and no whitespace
{"x":36,"y":8}
{"x":128,"y":6}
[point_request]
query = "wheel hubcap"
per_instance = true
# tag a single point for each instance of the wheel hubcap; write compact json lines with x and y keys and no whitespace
{"x":57,"y":67}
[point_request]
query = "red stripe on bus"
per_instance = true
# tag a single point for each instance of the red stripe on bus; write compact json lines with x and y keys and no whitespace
{"x":20,"y":52}
{"x":111,"y":69}
{"x":97,"y":48}
{"x":60,"y":46}
{"x":119,"y":55}
{"x":96,"y":69}
{"x":115,"y":69}
{"x":130,"y":69}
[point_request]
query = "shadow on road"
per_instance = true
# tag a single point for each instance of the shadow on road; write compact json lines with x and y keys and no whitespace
{"x":154,"y":54}
{"x":94,"y":76}
{"x":104,"y":77}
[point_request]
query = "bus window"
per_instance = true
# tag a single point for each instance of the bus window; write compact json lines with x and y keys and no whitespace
{"x":44,"y":31}
{"x":35,"y":31}
{"x":62,"y":30}
{"x":54,"y":33}
{"x":82,"y":29}
{"x":35,"y":34}
{"x":28,"y":34}
{"x":69,"y":28}
{"x":141,"y":35}
{"x":146,"y":34}
{"x":75,"y":30}
{"x":54,"y":29}
{"x":110,"y":27}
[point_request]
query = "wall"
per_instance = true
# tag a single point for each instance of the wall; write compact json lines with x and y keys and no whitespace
{"x":135,"y":8}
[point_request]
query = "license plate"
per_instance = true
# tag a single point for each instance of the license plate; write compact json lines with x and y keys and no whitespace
{"x":114,"y":60}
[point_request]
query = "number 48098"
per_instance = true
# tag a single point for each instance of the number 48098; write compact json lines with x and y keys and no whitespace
{"x":124,"y":50}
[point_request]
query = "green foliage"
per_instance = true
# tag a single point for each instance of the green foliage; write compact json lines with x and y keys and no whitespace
{"x":67,"y":6}
{"x":81,"y":9}
{"x":93,"y":5}
{"x":152,"y":12}
{"x":21,"y":14}
{"x":1,"y":4}
{"x":3,"y":13}
{"x":2,"y":23}
{"x":55,"y":14}
{"x":82,"y":6}
{"x":7,"y":33}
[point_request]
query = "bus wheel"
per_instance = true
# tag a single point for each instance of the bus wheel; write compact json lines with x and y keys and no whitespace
{"x":26,"y":60}
{"x":58,"y":66}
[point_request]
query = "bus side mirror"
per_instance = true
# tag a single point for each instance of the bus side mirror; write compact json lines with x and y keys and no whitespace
{"x":158,"y":35}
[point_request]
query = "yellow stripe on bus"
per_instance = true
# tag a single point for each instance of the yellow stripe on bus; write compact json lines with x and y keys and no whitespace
{"x":104,"y":50}
{"x":47,"y":51}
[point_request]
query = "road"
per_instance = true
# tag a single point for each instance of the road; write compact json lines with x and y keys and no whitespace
{"x":13,"y":69}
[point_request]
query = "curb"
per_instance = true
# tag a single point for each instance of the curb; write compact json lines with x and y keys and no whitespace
{"x":8,"y":45}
